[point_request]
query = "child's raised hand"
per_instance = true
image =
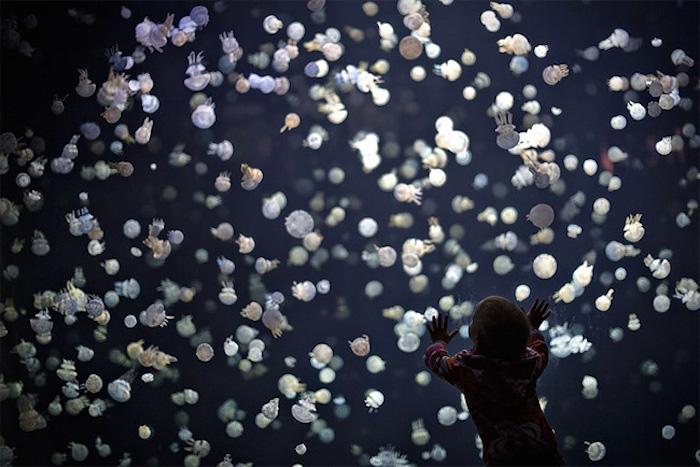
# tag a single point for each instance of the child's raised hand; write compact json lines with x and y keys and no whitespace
{"x":438,"y":330}
{"x":538,"y":313}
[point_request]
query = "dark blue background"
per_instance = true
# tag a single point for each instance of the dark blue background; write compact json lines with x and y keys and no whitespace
{"x":627,"y":416}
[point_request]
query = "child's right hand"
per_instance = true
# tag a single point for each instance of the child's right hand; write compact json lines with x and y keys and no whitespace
{"x":538,"y":313}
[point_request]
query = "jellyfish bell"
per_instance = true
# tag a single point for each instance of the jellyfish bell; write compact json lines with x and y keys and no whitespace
{"x":541,"y":215}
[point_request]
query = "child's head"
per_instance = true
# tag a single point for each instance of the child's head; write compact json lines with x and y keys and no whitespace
{"x":499,"y":328}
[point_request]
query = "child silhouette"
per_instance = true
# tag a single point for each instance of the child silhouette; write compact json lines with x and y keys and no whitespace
{"x":498,"y":377}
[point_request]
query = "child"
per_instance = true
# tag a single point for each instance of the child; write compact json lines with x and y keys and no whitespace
{"x":498,"y":376}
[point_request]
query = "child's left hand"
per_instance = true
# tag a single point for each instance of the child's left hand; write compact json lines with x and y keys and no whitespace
{"x":438,"y":330}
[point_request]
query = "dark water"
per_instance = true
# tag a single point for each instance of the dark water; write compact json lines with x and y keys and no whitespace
{"x":627,"y":415}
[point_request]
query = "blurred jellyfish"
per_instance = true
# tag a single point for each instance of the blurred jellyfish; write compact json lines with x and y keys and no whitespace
{"x":541,"y":215}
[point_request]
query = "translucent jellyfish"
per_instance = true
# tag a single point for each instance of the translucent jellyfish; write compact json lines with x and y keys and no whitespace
{"x":603,"y":302}
{"x":595,"y":450}
{"x":374,"y":399}
{"x":668,"y":432}
{"x":224,"y":231}
{"x":583,"y":274}
{"x":375,"y":364}
{"x":618,"y":122}
{"x":245,"y":244}
{"x":410,"y":47}
{"x":251,"y":177}
{"x":663,"y":146}
{"x":227,"y":295}
{"x":541,"y":215}
{"x":204,"y":352}
{"x":633,"y":231}
{"x":197,"y":78}
{"x":451,"y":70}
{"x":408,"y":193}
{"x":304,"y":291}
{"x":203,"y":116}
{"x":637,"y":111}
{"x":230,"y":347}
{"x":85,"y":87}
{"x":408,"y":342}
{"x":507,"y":136}
{"x":299,"y":223}
{"x":566,"y":294}
{"x":304,"y":411}
{"x":544,"y":266}
{"x":155,"y":316}
{"x":679,"y":57}
{"x":619,"y":38}
{"x":367,"y":227}
{"x":120,"y":388}
{"x":555,"y":73}
{"x":517,"y":44}
{"x":522,"y":292}
{"x":78,"y":452}
{"x":687,"y":291}
{"x":360,"y":346}
{"x":661,"y":303}
{"x":273,"y":319}
{"x":615,"y":251}
{"x":660,"y":268}
{"x":143,"y":133}
{"x":447,"y":415}
{"x":419,"y":434}
{"x":502,"y":265}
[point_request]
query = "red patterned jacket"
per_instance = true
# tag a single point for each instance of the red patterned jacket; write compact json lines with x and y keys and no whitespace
{"x":502,"y":399}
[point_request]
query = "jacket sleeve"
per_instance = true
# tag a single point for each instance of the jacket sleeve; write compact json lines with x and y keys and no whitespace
{"x":442,"y":365}
{"x":538,"y":344}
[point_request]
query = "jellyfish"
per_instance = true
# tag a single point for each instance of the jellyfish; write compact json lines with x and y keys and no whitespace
{"x":447,"y":415}
{"x":299,"y":223}
{"x":291,"y":121}
{"x":619,"y":38}
{"x":120,"y":388}
{"x":544,"y":266}
{"x":143,"y":133}
{"x":304,"y":411}
{"x":583,"y":274}
{"x":555,"y":73}
{"x":615,"y":251}
{"x":203,"y":116}
{"x":408,"y":193}
{"x":360,"y":345}
{"x":304,"y":291}
{"x":603,"y":302}
{"x":419,"y":434}
{"x":227,"y":295}
{"x":541,"y":215}
{"x":660,"y":268}
{"x":197,"y":78}
{"x":374,"y":399}
{"x":633,"y":231}
{"x":595,"y":450}
{"x":507,"y":136}
{"x":517,"y":44}
{"x":273,"y":319}
{"x":251,"y":177}
{"x":204,"y":352}
{"x":155,"y":316}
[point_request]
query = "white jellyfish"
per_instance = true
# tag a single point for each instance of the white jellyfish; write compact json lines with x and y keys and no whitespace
{"x":203,"y":116}
{"x":374,"y":399}
{"x":304,"y":291}
{"x":544,"y":266}
{"x":619,"y":38}
{"x":522,"y":292}
{"x":299,"y":223}
{"x":595,"y":450}
{"x":603,"y":302}
{"x":633,"y":231}
{"x":660,"y":268}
